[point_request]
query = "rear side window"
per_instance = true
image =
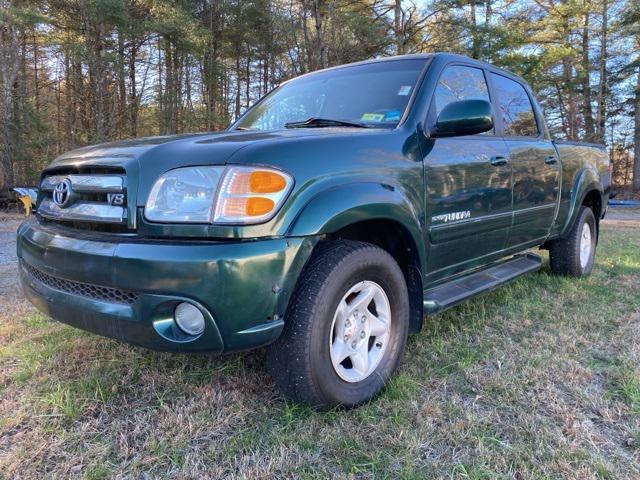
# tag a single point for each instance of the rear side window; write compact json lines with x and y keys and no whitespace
{"x":518,"y":119}
{"x":459,"y":82}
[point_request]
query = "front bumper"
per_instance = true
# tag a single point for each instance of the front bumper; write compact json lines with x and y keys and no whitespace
{"x":127,"y":288}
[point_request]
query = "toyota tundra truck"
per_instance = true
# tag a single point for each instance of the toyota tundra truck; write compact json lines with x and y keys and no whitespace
{"x":324,"y":224}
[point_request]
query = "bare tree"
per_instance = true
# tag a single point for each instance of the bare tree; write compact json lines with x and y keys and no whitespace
{"x":636,"y":135}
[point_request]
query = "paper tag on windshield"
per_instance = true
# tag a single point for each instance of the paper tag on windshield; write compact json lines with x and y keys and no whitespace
{"x":372,"y":117}
{"x":404,"y":90}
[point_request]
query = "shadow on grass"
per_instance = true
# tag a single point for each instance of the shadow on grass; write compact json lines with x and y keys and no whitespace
{"x":74,"y":372}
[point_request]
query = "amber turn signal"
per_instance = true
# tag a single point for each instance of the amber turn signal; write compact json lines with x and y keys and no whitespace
{"x":258,"y":181}
{"x":247,"y":206}
{"x":266,"y":182}
{"x":257,"y":206}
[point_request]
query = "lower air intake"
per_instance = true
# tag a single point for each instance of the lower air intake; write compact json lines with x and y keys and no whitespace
{"x":96,"y":292}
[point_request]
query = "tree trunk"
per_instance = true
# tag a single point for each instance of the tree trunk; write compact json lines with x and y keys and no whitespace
{"x":247,"y":100}
{"x":318,"y":6}
{"x":94,"y":43}
{"x":570,"y":105}
{"x":9,"y":64}
{"x":58,"y":115}
{"x":187,"y":94}
{"x":475,"y":46}
{"x":122,"y":87}
{"x":398,"y":29}
{"x":488,"y":13}
{"x":133,"y":95}
{"x":210,"y":63}
{"x":79,"y":103}
{"x":161,"y":100}
{"x":602,"y":87}
{"x":587,"y":111}
{"x":177,"y":90}
{"x":265,"y":76}
{"x":238,"y":85}
{"x":311,"y":64}
{"x":568,"y":67}
{"x":36,"y":87}
{"x":636,"y":136}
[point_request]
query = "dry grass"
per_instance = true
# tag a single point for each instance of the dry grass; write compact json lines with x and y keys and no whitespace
{"x":540,"y":379}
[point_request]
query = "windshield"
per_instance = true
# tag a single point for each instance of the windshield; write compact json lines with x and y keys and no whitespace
{"x":374,"y":94}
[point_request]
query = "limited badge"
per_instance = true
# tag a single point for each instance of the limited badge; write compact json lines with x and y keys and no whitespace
{"x":451,"y":216}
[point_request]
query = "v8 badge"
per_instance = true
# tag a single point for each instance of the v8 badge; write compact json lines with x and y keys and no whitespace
{"x":115,"y":199}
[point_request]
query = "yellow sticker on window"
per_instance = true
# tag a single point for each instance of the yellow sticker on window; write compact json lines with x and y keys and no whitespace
{"x":372,"y":117}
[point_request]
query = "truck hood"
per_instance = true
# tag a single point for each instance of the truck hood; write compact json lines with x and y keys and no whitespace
{"x":172,"y":151}
{"x":145,"y":159}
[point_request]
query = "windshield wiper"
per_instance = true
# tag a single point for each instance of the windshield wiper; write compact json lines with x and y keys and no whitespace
{"x":324,"y":122}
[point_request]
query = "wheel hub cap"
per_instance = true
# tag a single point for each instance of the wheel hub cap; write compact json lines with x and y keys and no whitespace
{"x":585,"y":245}
{"x":360,"y":331}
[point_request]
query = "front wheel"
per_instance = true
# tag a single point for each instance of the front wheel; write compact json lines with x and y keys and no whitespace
{"x":346,"y":326}
{"x":575,"y":254}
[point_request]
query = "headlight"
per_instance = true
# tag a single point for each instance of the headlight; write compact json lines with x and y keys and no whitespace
{"x":246,"y":195}
{"x":184,"y":195}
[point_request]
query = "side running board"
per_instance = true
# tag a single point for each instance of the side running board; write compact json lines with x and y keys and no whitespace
{"x":452,"y":293}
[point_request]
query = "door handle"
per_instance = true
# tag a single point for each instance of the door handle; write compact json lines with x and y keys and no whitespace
{"x":498,"y":161}
{"x":550,"y":160}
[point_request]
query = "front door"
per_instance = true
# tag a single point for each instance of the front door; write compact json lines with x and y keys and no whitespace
{"x":468,"y":185}
{"x":534,"y":164}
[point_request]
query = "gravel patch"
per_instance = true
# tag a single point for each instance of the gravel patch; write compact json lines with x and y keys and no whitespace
{"x":8,"y":258}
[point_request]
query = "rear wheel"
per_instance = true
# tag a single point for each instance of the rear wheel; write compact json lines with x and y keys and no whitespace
{"x":346,"y":326}
{"x":575,"y":254}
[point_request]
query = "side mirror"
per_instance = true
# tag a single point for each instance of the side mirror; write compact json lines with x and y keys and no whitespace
{"x":465,"y":117}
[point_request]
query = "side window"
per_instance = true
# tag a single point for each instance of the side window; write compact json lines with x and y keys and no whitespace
{"x":518,"y":119}
{"x":460,"y":83}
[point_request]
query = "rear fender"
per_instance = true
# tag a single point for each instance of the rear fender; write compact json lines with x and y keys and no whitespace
{"x":586,"y":181}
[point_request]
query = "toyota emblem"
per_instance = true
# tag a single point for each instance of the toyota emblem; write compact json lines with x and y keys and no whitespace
{"x":62,"y":193}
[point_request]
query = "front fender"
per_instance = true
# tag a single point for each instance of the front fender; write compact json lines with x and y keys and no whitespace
{"x":344,"y":205}
{"x":586,"y":181}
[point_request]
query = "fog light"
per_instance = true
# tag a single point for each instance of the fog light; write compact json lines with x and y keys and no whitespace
{"x":189,"y":318}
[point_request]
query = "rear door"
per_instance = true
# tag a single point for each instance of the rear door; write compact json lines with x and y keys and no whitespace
{"x":468,"y":184}
{"x":534,"y":163}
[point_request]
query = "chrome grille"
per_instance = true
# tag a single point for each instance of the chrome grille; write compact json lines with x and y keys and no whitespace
{"x":96,"y":292}
{"x":86,"y":183}
{"x":99,"y":198}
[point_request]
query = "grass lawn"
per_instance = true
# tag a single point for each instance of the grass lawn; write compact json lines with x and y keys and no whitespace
{"x":540,"y":379}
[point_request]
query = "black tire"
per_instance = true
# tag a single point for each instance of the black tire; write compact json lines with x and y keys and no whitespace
{"x":564,"y":254}
{"x":300,"y":361}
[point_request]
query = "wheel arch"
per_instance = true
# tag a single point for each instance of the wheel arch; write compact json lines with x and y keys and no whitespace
{"x":377,"y":214}
{"x":587,"y":191}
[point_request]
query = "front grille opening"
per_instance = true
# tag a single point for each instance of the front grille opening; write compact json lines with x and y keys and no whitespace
{"x":99,"y":197}
{"x":96,"y":292}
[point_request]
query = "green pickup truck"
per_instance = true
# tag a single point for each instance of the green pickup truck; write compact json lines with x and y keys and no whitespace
{"x":325,"y":223}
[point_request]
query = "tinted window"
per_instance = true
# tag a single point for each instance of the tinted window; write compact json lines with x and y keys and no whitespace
{"x":460,"y":83}
{"x":518,"y":119}
{"x":375,"y":94}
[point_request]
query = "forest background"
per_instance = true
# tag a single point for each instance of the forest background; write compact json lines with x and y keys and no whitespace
{"x":81,"y":72}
